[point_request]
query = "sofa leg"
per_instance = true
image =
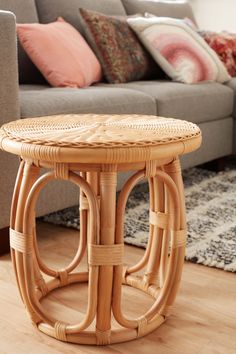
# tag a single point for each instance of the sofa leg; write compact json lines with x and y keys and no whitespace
{"x":4,"y":241}
{"x":217,"y":165}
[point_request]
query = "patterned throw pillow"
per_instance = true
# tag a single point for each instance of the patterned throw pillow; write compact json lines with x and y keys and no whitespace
{"x":224,"y":44}
{"x":117,"y":47}
{"x":179,"y":50}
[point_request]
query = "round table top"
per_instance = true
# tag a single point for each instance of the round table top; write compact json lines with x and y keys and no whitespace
{"x":99,"y":138}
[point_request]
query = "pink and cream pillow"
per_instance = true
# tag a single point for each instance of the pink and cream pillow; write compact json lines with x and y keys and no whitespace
{"x":181,"y":53}
{"x":60,"y":53}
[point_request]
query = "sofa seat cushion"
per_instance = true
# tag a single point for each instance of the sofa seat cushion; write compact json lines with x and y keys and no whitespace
{"x":50,"y":10}
{"x":197,"y":103}
{"x":232,"y":85}
{"x":36,"y":100}
{"x":25,"y":12}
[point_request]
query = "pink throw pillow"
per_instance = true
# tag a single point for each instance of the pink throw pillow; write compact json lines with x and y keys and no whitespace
{"x":60,"y":53}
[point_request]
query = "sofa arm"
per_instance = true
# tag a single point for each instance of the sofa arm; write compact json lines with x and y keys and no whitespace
{"x":9,"y":87}
{"x":9,"y":109}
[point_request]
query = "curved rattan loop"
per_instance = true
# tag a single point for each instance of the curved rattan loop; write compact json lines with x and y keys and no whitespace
{"x":27,"y":176}
{"x":16,"y":194}
{"x":39,"y":185}
{"x":13,"y":216}
{"x":94,"y":227}
{"x":173,"y":258}
{"x":120,"y":216}
{"x":79,"y":254}
{"x":118,"y":272}
{"x":151,"y":314}
{"x":119,"y":238}
{"x":157,"y":198}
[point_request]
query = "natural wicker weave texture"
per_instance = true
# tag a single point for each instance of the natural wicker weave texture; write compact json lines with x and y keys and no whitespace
{"x":99,"y":147}
{"x":51,"y":137}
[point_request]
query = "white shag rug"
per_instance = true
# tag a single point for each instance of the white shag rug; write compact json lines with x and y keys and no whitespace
{"x":211,"y":216}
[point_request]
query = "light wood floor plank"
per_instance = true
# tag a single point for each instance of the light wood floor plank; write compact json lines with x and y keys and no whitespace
{"x":203,"y":320}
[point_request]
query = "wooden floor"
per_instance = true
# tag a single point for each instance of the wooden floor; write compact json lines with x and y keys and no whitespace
{"x":203,"y":320}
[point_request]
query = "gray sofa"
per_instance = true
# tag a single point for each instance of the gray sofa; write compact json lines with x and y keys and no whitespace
{"x":211,"y":105}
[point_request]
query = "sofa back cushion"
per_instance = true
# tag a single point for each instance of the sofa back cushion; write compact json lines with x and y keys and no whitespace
{"x":50,"y":10}
{"x":25,"y":12}
{"x":171,"y":8}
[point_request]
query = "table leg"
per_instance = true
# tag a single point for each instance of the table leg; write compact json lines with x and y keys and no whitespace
{"x":108,"y":182}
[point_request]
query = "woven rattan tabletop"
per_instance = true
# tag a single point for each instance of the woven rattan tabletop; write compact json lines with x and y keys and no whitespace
{"x":71,"y":137}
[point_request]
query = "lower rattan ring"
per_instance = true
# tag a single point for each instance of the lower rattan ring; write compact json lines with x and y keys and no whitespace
{"x":90,"y":337}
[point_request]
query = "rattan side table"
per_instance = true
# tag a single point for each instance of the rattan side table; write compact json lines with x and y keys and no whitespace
{"x":89,"y":150}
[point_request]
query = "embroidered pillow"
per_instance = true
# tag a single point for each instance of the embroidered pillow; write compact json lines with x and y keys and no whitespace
{"x":117,"y":47}
{"x":179,"y":50}
{"x":60,"y":53}
{"x":224,"y":44}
